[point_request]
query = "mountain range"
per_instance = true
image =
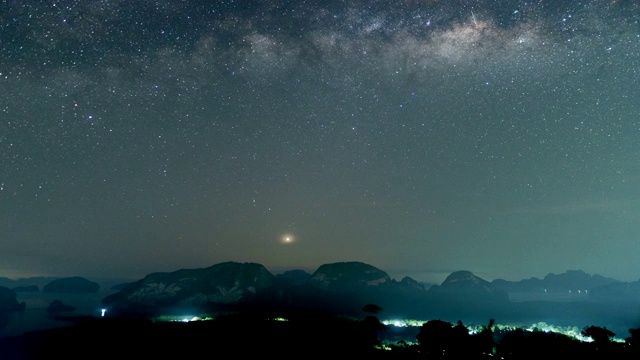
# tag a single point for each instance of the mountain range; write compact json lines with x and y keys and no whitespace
{"x":345,"y":287}
{"x":353,"y":288}
{"x":572,"y":280}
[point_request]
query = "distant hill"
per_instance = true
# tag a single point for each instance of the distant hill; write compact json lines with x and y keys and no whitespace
{"x":26,"y":289}
{"x":357,"y":277}
{"x":571,"y":285}
{"x":346,"y":287}
{"x":8,"y":302}
{"x":354,"y":284}
{"x":294,"y":277}
{"x":225,"y":283}
{"x":38,"y":281}
{"x":119,"y":286}
{"x":617,"y":292}
{"x":348,"y":276}
{"x":343,"y":287}
{"x":465,"y":286}
{"x":75,"y":284}
{"x":57,"y":307}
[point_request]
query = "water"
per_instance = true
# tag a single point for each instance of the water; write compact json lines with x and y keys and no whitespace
{"x":36,"y":317}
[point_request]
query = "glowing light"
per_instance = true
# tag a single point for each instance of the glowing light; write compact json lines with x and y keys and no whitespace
{"x":287,"y":239}
{"x":182,"y":318}
{"x":102,"y":312}
{"x":396,"y":323}
{"x":195,"y":318}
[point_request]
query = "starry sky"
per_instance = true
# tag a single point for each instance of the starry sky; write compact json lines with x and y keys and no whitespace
{"x":419,"y":136}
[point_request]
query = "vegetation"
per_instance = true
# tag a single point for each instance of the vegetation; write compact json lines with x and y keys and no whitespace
{"x":319,"y":336}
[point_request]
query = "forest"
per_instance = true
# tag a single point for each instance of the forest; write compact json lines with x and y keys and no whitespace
{"x":254,"y":335}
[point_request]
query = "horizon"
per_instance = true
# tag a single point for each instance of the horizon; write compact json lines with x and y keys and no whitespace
{"x":427,"y":277}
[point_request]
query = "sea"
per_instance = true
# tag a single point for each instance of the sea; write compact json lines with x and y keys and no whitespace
{"x":35,"y":317}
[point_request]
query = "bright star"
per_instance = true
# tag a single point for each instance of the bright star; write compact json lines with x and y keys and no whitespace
{"x":287,"y":239}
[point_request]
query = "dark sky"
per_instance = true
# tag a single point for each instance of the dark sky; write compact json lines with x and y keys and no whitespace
{"x":422,"y":137}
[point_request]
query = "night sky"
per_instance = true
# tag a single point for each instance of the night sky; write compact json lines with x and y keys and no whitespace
{"x":421,"y":137}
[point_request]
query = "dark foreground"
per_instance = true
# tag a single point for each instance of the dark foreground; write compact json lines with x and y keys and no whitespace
{"x":237,"y":336}
{"x":312,"y":337}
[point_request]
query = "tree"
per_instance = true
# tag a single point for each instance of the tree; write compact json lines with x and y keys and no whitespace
{"x":372,"y":309}
{"x":483,"y":341}
{"x":435,"y":338}
{"x":371,"y":326}
{"x":634,"y":341}
{"x":371,"y":329}
{"x":600,"y":336}
{"x":635,"y":337}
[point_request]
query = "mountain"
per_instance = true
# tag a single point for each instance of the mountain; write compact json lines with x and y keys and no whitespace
{"x":617,"y":292}
{"x":8,"y":302}
{"x":347,"y":286}
{"x":225,"y":283}
{"x":364,"y":279}
{"x":74,"y":284}
{"x":575,"y":280}
{"x":527,"y":285}
{"x":570,"y":285}
{"x":348,"y":276}
{"x":119,"y":286}
{"x":57,"y":307}
{"x":464,"y":286}
{"x":38,"y":281}
{"x":339,"y":287}
{"x":26,"y":289}
{"x":294,"y":277}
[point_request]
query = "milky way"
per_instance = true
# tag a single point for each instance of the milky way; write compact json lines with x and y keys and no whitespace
{"x":422,"y":137}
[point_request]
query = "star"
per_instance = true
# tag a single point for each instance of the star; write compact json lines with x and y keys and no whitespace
{"x":287,"y":239}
